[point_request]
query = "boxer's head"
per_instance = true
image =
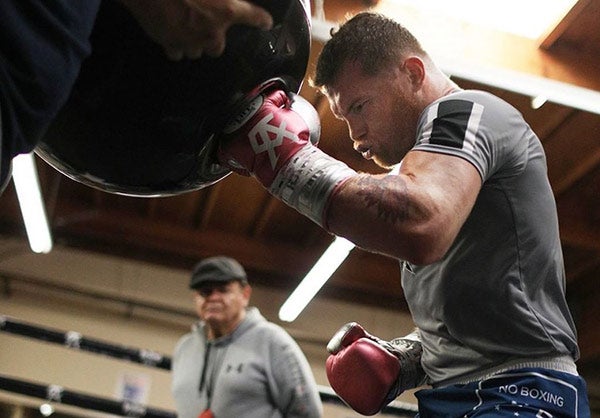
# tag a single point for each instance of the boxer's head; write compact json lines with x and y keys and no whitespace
{"x":372,"y":40}
{"x":372,"y":71}
{"x":378,"y":79}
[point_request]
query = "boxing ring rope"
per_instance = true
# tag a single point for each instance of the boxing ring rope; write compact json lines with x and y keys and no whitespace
{"x":76,"y":341}
{"x":55,"y":393}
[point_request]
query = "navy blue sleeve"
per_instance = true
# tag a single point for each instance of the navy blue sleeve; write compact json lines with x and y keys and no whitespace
{"x":42,"y":46}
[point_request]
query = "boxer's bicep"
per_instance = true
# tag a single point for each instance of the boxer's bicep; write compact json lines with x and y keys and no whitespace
{"x":415,"y":215}
{"x":445,"y":187}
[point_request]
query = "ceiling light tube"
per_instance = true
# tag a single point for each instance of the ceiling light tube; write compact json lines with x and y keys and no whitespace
{"x":331,"y":259}
{"x":27,"y":186}
{"x":538,"y":101}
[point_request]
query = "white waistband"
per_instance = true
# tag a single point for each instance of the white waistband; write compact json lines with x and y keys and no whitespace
{"x":564,"y":364}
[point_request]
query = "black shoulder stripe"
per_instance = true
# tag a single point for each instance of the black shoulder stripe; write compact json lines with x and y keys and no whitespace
{"x":450,"y":125}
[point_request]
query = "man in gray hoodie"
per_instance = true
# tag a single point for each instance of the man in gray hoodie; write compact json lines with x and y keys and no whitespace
{"x":235,"y":363}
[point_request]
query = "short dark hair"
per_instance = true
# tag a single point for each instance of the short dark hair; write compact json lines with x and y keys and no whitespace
{"x":371,"y":39}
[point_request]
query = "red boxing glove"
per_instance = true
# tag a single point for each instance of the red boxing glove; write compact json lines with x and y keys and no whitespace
{"x":270,"y":129}
{"x":272,"y":137}
{"x":369,"y":373}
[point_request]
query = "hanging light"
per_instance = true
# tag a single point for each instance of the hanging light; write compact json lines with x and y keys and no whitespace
{"x":331,"y":259}
{"x":27,"y":186}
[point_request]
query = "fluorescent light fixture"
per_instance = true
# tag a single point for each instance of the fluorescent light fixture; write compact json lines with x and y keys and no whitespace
{"x":538,"y":101}
{"x":527,"y":18}
{"x":526,"y":84}
{"x":331,"y":259}
{"x":27,"y":186}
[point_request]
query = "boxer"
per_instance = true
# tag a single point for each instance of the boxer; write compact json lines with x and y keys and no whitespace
{"x":470,"y":216}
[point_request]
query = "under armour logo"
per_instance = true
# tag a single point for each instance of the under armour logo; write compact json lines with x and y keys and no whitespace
{"x":231,"y":368}
{"x":261,"y":141}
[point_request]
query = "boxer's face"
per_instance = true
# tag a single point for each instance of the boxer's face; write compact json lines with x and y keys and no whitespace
{"x":381,"y":111}
{"x":222,"y":305}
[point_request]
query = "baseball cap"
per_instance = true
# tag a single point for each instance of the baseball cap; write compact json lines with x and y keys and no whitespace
{"x":217,"y":269}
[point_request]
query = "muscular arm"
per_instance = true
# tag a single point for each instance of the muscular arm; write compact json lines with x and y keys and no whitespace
{"x":414,"y":216}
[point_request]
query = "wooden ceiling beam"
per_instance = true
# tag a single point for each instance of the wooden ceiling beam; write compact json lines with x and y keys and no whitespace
{"x":583,"y":168}
{"x":588,"y":312}
{"x":182,"y":242}
{"x":572,"y":17}
{"x":575,"y":231}
{"x":448,"y":39}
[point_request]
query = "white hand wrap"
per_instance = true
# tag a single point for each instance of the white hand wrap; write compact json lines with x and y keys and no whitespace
{"x":307,"y":182}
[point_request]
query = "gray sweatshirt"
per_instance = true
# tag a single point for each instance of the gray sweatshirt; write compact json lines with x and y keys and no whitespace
{"x":258,"y":371}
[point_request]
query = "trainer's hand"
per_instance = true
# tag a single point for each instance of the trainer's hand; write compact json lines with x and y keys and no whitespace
{"x":367,"y":372}
{"x":191,"y":28}
{"x":267,"y":132}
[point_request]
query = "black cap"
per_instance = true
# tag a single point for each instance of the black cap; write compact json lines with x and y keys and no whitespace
{"x":217,"y":269}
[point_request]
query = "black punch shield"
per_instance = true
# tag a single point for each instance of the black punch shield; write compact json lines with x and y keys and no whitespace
{"x":138,"y":124}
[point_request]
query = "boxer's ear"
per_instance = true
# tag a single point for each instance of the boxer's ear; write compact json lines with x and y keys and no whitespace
{"x":416,"y":70}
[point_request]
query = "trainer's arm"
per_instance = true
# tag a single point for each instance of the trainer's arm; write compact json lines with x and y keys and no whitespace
{"x":192,"y":28}
{"x":414,"y":216}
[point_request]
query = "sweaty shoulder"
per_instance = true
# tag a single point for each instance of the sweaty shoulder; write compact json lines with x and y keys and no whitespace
{"x":478,"y":127}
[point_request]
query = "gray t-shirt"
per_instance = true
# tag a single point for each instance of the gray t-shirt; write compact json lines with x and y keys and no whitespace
{"x":258,"y":371}
{"x":499,"y":292}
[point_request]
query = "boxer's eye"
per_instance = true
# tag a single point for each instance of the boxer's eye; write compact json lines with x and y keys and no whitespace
{"x":357,"y":107}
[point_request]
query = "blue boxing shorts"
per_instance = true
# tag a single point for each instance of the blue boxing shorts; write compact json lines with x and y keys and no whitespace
{"x":530,"y":393}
